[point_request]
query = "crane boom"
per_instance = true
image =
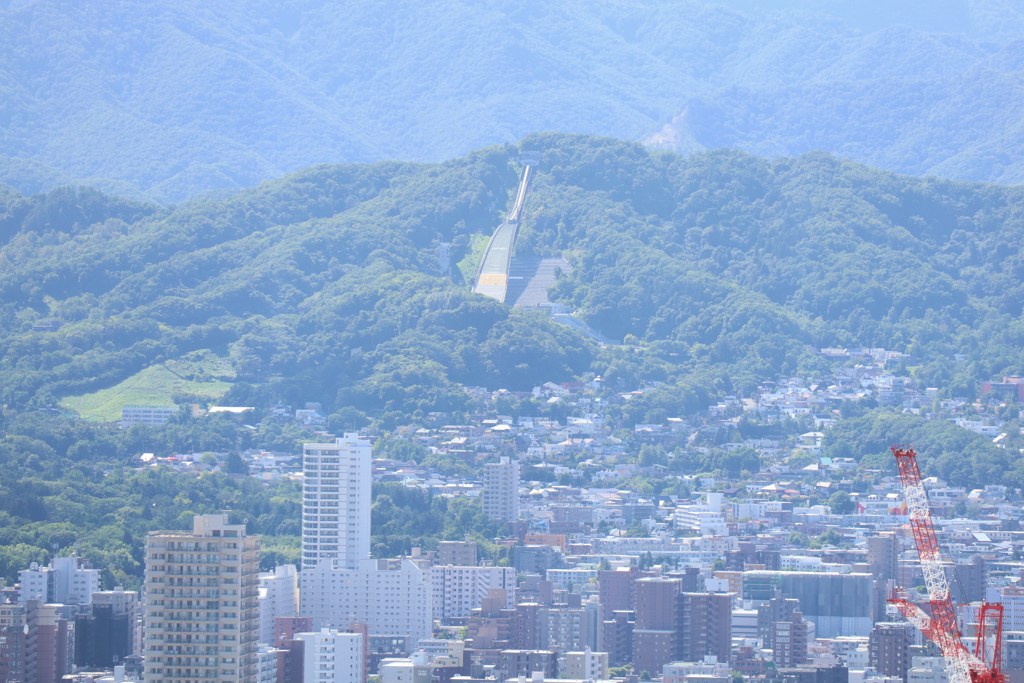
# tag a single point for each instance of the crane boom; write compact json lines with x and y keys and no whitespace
{"x":941,"y":626}
{"x":944,"y":631}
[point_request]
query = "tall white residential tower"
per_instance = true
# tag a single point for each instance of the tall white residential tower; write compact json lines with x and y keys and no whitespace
{"x":501,"y":490}
{"x":336,"y":501}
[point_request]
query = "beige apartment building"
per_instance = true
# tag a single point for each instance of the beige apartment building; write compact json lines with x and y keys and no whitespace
{"x":201,"y":615}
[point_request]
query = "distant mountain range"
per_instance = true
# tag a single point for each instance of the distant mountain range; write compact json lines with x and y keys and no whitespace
{"x":167,"y":100}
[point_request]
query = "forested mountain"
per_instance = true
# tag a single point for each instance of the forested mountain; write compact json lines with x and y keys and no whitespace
{"x":720,"y":270}
{"x":167,"y":100}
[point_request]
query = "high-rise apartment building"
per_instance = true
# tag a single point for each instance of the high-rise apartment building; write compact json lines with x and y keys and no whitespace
{"x":336,"y":490}
{"x":704,"y":626}
{"x":13,"y":624}
{"x":458,"y":590}
{"x":462,"y":553}
{"x":278,"y":597}
{"x":64,"y":582}
{"x":563,"y":628}
{"x":392,"y":597}
{"x":49,"y":641}
{"x":501,"y":490}
{"x":586,"y":665}
{"x":106,"y":631}
{"x":654,"y":635}
{"x":883,"y":555}
{"x":615,"y":587}
{"x":37,"y":641}
{"x":332,"y":656}
{"x":617,"y":637}
{"x":202,"y":617}
{"x":789,"y":641}
{"x":889,"y":648}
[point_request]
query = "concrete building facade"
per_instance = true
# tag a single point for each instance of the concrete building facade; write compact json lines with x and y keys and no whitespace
{"x":456,"y":590}
{"x":704,"y":626}
{"x":64,"y":582}
{"x":654,"y":635}
{"x":460,"y":553}
{"x":889,"y":648}
{"x":501,"y":490}
{"x":392,"y":597}
{"x":201,"y":615}
{"x":278,"y":597}
{"x":336,"y":499}
{"x":332,"y":656}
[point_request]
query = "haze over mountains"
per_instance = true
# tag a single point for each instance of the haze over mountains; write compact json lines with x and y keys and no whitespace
{"x":167,"y":101}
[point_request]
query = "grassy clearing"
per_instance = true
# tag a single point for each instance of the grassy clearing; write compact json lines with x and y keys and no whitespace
{"x":474,"y":254}
{"x":157,"y":385}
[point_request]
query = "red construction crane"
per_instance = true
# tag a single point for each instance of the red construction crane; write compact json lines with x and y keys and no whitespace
{"x":941,"y":627}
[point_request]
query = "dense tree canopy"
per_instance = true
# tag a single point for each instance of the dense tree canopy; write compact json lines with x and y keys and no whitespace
{"x":711,"y":273}
{"x":719,"y":271}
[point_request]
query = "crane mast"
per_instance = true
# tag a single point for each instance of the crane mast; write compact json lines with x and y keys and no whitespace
{"x":941,"y":626}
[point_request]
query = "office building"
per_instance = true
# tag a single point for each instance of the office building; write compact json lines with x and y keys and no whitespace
{"x":705,"y":671}
{"x":201,"y":615}
{"x":501,"y":490}
{"x":415,"y":669}
{"x":513,"y":663}
{"x":933,"y":670}
{"x":336,"y":501}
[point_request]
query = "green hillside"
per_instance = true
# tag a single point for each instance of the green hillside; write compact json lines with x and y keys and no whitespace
{"x":716,"y":271}
{"x":193,"y":378}
{"x":171,"y":100}
{"x":725,"y":270}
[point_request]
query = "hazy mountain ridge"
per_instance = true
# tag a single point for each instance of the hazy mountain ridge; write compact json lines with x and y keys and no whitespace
{"x":172,"y":101}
